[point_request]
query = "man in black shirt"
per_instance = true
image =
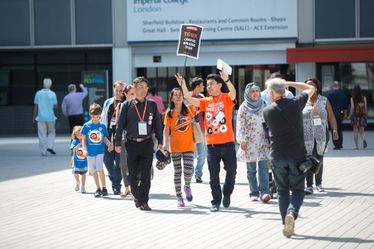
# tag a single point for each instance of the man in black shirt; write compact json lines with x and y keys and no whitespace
{"x":285,"y":121}
{"x":339,"y":104}
{"x":140,"y":118}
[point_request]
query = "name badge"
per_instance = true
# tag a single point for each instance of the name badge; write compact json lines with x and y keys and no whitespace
{"x":142,"y":128}
{"x":219,"y":116}
{"x":317,"y":121}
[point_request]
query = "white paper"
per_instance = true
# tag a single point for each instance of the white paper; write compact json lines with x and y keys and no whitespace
{"x":221,"y":65}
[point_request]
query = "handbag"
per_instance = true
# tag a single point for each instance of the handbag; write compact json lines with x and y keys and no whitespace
{"x":198,"y":136}
{"x":311,"y":164}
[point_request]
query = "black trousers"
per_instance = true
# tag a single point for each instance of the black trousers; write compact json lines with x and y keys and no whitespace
{"x":339,"y":123}
{"x":139,"y":163}
{"x":75,"y":120}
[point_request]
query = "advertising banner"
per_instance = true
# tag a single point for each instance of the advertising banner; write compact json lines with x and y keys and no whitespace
{"x":97,"y":84}
{"x":189,"y":41}
{"x":160,"y":20}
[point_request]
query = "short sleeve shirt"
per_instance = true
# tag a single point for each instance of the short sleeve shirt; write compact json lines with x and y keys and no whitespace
{"x":218,"y":118}
{"x":95,"y":134}
{"x":285,"y":120}
{"x":181,"y":134}
{"x":46,"y":100}
{"x":79,"y":160}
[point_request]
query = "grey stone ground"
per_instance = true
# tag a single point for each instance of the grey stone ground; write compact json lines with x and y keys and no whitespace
{"x":40,"y":209}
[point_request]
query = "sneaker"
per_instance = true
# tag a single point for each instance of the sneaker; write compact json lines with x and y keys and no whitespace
{"x":365,"y":144}
{"x":77,"y":186}
{"x":97,"y":193}
{"x":198,"y":179}
{"x":51,"y":151}
{"x":105,"y":191}
{"x":180,"y":201}
{"x":83,"y":190}
{"x":254,"y":198}
{"x":188,"y":192}
{"x":308,"y":190}
{"x":289,"y":224}
{"x":116,"y":192}
{"x":214,"y":208}
{"x":145,"y":207}
{"x":320,"y":188}
{"x":265,"y":198}
{"x":226,"y":201}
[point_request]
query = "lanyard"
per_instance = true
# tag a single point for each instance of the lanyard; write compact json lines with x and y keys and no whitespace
{"x":114,"y":109}
{"x":314,"y":106}
{"x":137,"y":111}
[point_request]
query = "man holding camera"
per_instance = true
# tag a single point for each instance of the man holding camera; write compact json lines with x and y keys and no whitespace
{"x":285,"y":121}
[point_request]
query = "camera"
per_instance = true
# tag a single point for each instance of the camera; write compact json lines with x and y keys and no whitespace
{"x":311,"y":163}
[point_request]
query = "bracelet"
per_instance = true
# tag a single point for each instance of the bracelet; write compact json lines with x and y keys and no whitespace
{"x":227,"y":80}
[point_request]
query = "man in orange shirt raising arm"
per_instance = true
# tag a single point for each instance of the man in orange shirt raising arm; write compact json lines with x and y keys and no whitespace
{"x":218,"y":109}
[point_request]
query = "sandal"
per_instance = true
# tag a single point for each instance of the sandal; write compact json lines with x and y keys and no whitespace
{"x":126,"y":193}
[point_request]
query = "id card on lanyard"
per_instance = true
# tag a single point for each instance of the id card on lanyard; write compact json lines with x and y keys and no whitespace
{"x":142,"y":126}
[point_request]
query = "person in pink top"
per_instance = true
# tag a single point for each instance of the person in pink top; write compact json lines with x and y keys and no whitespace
{"x":158,"y":99}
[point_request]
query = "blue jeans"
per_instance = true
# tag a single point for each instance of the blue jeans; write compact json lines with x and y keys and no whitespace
{"x":200,"y":153}
{"x":288,"y":178}
{"x":112,"y":164}
{"x":226,"y":153}
{"x":263,"y":178}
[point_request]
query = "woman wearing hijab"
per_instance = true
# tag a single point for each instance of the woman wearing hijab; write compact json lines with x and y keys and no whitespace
{"x":254,"y":144}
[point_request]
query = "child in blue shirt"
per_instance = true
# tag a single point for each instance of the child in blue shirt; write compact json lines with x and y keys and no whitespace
{"x":94,"y":137}
{"x":79,"y":159}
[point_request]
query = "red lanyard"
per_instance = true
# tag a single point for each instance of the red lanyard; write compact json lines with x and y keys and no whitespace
{"x":137,"y":111}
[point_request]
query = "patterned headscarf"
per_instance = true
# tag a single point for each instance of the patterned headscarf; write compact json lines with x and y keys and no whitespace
{"x":252,"y":105}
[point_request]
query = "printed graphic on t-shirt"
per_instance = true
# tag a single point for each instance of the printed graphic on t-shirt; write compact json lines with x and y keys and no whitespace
{"x":79,"y":154}
{"x":216,"y":119}
{"x":182,"y":123}
{"x":95,"y":136}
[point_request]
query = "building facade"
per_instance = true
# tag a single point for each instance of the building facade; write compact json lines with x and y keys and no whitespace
{"x":66,"y":40}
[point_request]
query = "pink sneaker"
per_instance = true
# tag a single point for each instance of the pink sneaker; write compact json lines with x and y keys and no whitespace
{"x":265,"y":198}
{"x":180,"y":201}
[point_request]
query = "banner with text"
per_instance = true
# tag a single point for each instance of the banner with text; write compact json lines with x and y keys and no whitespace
{"x":189,"y":41}
{"x":97,"y":84}
{"x":160,"y":20}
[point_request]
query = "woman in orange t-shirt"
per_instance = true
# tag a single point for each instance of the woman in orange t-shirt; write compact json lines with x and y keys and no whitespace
{"x":178,"y":124}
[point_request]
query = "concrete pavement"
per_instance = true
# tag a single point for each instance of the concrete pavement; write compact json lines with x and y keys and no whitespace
{"x":40,"y":209}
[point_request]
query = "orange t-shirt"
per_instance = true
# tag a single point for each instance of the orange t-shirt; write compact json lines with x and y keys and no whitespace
{"x":181,"y":134}
{"x":218,"y":118}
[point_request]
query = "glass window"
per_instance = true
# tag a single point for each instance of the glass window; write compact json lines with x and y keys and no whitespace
{"x":93,"y":21}
{"x":349,"y":75}
{"x":52,"y":22}
{"x":366,"y":18}
{"x":335,"y":18}
{"x":14,"y":23}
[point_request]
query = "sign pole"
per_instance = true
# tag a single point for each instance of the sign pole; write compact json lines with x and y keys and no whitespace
{"x":185,"y":68}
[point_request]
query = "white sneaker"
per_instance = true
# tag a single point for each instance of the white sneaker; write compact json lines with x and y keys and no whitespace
{"x":77,"y":186}
{"x":254,"y":198}
{"x":289,"y":225}
{"x":320,"y":188}
{"x":83,"y":190}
